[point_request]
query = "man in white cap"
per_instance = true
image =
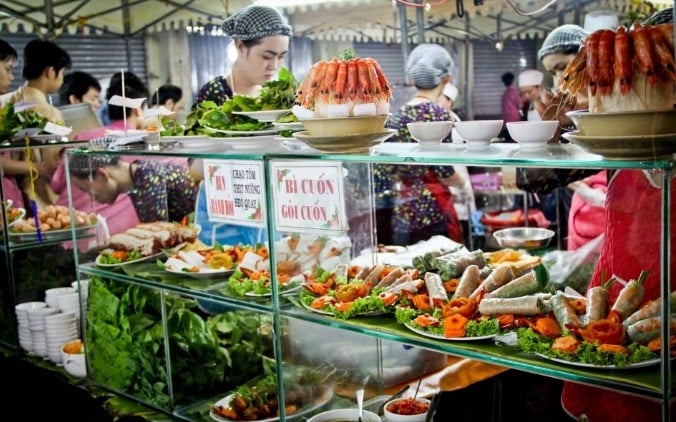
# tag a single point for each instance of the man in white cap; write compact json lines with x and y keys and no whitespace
{"x":447,"y":99}
{"x":530,"y":86}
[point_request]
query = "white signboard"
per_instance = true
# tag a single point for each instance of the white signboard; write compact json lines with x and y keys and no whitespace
{"x":309,"y":196}
{"x":235,"y":192}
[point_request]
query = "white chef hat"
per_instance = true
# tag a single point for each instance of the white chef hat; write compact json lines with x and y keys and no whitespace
{"x":450,"y":91}
{"x":530,"y":77}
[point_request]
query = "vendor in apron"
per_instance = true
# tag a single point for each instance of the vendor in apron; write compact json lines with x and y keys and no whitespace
{"x":530,"y":86}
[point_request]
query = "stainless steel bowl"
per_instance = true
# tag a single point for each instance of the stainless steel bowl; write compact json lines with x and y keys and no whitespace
{"x":523,"y":237}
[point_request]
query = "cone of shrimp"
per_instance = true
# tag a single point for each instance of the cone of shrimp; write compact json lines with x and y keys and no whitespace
{"x":344,"y":96}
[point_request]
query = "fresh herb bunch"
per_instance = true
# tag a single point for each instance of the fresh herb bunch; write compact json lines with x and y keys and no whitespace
{"x":279,"y":94}
{"x":11,"y":122}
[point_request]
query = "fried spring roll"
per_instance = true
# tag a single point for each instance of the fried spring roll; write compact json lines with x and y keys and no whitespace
{"x":499,"y":277}
{"x":525,"y":285}
{"x":470,"y":280}
{"x":527,"y":305}
{"x":563,"y":312}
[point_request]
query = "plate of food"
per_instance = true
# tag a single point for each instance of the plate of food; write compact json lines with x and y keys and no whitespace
{"x":636,"y":365}
{"x":12,"y":213}
{"x":47,"y":235}
{"x":436,"y":336}
{"x":201,"y":263}
{"x":111,"y":258}
{"x":264,"y":115}
{"x":224,"y":411}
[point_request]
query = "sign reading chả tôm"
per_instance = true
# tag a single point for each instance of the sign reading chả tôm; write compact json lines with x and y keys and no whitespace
{"x":235,"y":192}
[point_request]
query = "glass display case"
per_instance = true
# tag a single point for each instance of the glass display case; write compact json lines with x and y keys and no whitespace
{"x":186,"y":338}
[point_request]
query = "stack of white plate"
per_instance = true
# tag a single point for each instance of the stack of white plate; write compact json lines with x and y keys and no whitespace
{"x":25,"y":336}
{"x":36,"y":320}
{"x":60,"y":328}
{"x":52,"y":295}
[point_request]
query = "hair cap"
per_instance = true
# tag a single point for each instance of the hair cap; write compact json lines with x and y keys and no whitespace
{"x":427,"y":64}
{"x":564,"y":38}
{"x":255,"y":22}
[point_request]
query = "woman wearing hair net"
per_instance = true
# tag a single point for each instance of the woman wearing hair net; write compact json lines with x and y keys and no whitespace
{"x":422,"y":205}
{"x":261,"y":36}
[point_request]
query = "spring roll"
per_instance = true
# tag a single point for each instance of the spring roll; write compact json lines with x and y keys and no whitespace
{"x":597,"y":304}
{"x":526,"y":305}
{"x":452,"y":266}
{"x":630,"y":297}
{"x":470,"y":280}
{"x":525,"y":285}
{"x":486,"y":271}
{"x":435,"y":289}
{"x":649,"y":329}
{"x":650,"y":309}
{"x":563,"y":312}
{"x":390,"y":278}
{"x":499,"y":277}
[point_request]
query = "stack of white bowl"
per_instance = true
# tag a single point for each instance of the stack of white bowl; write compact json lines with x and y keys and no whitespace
{"x":60,"y":328}
{"x":83,"y":289}
{"x":52,"y":295}
{"x":36,"y":320}
{"x":24,"y":329}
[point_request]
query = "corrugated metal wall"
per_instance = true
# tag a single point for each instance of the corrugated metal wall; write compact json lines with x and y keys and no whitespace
{"x":489,"y":64}
{"x":98,"y":54}
{"x":389,"y":56}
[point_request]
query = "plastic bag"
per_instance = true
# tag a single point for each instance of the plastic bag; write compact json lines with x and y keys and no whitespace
{"x":573,"y":268}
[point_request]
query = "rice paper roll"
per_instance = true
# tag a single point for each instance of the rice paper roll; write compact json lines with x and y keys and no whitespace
{"x":527,"y":305}
{"x":469,"y":281}
{"x":486,"y":271}
{"x":649,"y":329}
{"x":435,"y":289}
{"x":650,"y":309}
{"x":630,"y":297}
{"x":499,"y":277}
{"x":454,"y":265}
{"x":597,"y":304}
{"x":525,"y":285}
{"x":564,"y":312}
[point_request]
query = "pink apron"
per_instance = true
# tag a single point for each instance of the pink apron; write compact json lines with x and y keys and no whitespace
{"x":632,"y":244}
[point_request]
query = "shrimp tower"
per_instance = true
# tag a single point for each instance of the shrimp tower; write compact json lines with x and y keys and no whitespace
{"x":344,"y":88}
{"x":625,"y":70}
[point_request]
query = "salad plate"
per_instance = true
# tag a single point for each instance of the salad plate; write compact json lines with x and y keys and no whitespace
{"x":637,"y":365}
{"x":331,"y":313}
{"x":99,"y":260}
{"x":21,"y":212}
{"x":264,"y":115}
{"x":306,"y":410}
{"x":442,"y":337}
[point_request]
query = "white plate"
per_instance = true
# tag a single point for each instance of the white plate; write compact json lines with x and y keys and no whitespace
{"x":270,"y":131}
{"x":250,"y":142}
{"x":202,"y":144}
{"x":321,"y":312}
{"x":645,"y":363}
{"x":321,"y":401}
{"x":441,"y":337}
{"x":202,"y":273}
{"x":290,"y":126}
{"x":50,"y":235}
{"x":133,"y":261}
{"x":264,"y":115}
{"x":22,"y":213}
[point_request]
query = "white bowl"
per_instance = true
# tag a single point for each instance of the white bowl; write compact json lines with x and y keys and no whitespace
{"x":429,"y":133}
{"x":532,"y":134}
{"x":396,"y":417}
{"x":74,"y":363}
{"x":344,"y":415}
{"x":479,"y":131}
{"x":28,"y":306}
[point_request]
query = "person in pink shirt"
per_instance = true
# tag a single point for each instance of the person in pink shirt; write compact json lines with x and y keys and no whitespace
{"x":121,"y":214}
{"x":511,"y":103}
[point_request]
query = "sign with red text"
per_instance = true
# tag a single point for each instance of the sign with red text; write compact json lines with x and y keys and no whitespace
{"x":235,"y":192}
{"x":308,"y":196}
